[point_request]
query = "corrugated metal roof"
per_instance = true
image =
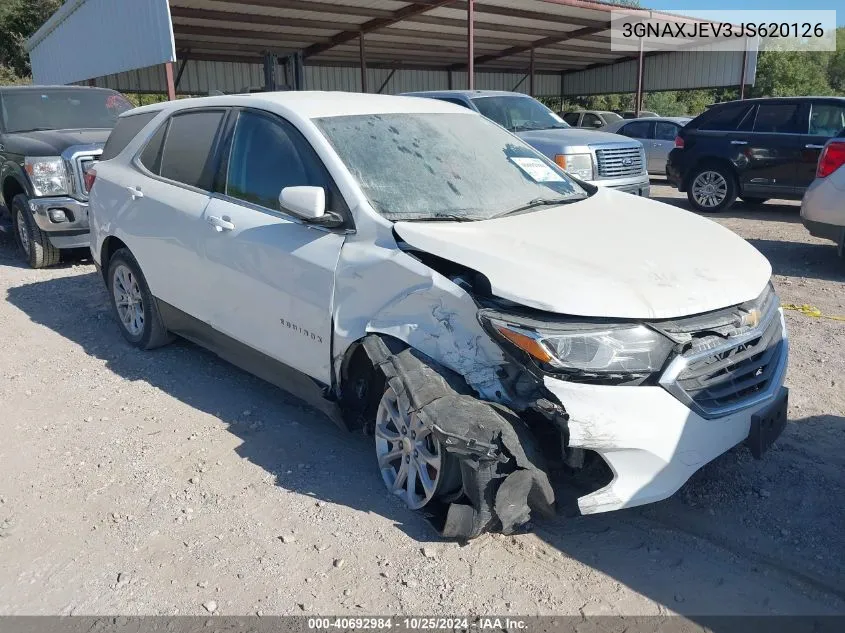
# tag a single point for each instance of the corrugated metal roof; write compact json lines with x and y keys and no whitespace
{"x":567,"y":36}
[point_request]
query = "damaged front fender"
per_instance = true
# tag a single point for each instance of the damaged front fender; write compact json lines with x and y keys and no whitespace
{"x":503,"y":473}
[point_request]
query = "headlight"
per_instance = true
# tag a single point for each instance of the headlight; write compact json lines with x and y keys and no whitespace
{"x":48,"y":175}
{"x":631,"y":350}
{"x":579,"y":165}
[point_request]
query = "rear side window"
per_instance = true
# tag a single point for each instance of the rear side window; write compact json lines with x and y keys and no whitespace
{"x":267,"y":156}
{"x":151,"y":156}
{"x":125,"y":130}
{"x":779,"y":118}
{"x":723,"y":118}
{"x":186,"y":156}
{"x":636,"y":129}
{"x":664,"y":131}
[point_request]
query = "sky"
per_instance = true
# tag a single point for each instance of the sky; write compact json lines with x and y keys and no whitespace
{"x":762,"y":5}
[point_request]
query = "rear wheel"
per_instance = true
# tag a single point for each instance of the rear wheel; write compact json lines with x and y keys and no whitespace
{"x":712,"y":188}
{"x":414,"y":465}
{"x":748,"y":200}
{"x":34,"y":244}
{"x":133,"y":303}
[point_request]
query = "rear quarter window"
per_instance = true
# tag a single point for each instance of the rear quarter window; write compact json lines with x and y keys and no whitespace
{"x":126,"y":129}
{"x":724,"y":118}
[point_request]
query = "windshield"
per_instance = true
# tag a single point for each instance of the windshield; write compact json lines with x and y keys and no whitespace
{"x":61,"y":109}
{"x":519,"y":114}
{"x":443,"y":166}
{"x":611,"y":117}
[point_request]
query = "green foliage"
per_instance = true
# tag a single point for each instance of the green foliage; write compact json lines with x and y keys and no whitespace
{"x":18,"y":20}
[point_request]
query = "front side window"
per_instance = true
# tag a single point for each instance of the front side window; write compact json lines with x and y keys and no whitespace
{"x":571,"y":118}
{"x":267,"y":156}
{"x":187,"y":156}
{"x":591,"y":120}
{"x":30,"y":110}
{"x":827,"y":119}
{"x":779,"y":118}
{"x":518,"y":114}
{"x":443,"y":166}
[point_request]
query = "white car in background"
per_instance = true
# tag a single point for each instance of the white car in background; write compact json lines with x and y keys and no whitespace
{"x":823,"y":205}
{"x":413,"y":269}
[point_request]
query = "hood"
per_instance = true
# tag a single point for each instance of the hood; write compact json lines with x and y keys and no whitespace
{"x":573,"y":136}
{"x":612,"y":255}
{"x":52,"y":142}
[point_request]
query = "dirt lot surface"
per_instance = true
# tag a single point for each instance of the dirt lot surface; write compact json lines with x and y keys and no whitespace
{"x":169,"y":482}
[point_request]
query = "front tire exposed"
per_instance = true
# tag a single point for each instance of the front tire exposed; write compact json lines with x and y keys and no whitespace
{"x":712,"y":189}
{"x":34,"y":244}
{"x":133,"y":303}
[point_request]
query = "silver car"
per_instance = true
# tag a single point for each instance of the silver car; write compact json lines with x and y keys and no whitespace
{"x":590,"y":119}
{"x":823,"y":205}
{"x":657,"y":134}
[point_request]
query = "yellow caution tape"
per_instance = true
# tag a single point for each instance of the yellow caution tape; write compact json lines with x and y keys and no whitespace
{"x":810,"y":311}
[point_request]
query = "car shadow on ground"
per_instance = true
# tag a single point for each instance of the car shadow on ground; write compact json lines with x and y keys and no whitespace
{"x":306,"y":453}
{"x":801,"y":259}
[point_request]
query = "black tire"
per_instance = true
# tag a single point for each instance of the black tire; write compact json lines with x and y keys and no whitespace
{"x":151,"y":333}
{"x":34,"y":244}
{"x":724,"y":188}
{"x":749,"y":200}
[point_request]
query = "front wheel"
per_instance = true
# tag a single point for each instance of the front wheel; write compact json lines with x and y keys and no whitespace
{"x":414,"y":465}
{"x":33,"y":242}
{"x":712,"y":189}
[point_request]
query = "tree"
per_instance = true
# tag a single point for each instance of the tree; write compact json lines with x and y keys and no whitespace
{"x":791,"y":73}
{"x":836,"y":66}
{"x":19,"y":19}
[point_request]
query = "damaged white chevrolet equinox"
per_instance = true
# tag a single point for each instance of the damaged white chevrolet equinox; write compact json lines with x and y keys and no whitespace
{"x":416,"y":271}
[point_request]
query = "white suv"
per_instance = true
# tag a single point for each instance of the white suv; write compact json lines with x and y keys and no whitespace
{"x":409,"y":267}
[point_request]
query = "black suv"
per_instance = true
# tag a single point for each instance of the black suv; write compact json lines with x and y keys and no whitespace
{"x":50,"y":136}
{"x":754,"y":149}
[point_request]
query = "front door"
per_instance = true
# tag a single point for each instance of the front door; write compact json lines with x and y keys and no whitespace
{"x":273,"y":276}
{"x":659,"y":147}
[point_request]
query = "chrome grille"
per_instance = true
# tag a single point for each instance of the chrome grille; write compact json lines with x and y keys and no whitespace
{"x":729,"y":366}
{"x":84,"y":163}
{"x":617,"y":162}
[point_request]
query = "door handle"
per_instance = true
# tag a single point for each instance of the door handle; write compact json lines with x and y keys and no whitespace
{"x":220,"y":224}
{"x":739,"y":142}
{"x":812,"y":146}
{"x":135,"y":192}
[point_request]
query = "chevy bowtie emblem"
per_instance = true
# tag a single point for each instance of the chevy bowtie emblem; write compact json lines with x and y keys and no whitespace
{"x":752,"y":318}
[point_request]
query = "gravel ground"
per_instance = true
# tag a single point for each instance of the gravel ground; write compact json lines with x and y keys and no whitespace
{"x":169,"y":482}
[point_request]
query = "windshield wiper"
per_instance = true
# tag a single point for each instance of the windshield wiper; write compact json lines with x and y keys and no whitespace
{"x":440,"y":217}
{"x":34,"y":129}
{"x":537,"y":202}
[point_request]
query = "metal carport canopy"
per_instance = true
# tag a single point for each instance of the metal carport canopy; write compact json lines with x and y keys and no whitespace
{"x":559,"y":37}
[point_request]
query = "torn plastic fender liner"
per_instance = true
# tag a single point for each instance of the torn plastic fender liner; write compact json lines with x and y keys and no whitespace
{"x":503,"y":474}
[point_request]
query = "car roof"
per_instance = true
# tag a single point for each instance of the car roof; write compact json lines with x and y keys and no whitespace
{"x":766,"y":99}
{"x":315,"y":104}
{"x":35,"y":88}
{"x":467,"y":93}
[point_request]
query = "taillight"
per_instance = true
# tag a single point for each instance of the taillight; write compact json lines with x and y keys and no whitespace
{"x":679,"y":142}
{"x":89,"y":175}
{"x":831,"y":159}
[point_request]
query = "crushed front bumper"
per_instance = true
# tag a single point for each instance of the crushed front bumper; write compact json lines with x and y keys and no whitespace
{"x":73,"y":231}
{"x":651,"y":440}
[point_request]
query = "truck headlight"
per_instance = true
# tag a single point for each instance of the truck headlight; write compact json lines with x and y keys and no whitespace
{"x":614,"y":349}
{"x":47,"y":175}
{"x":579,"y":165}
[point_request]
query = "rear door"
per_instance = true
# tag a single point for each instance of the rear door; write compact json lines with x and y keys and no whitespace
{"x":165,"y":191}
{"x":272,"y":275}
{"x":658,"y":148}
{"x":774,"y":149}
{"x":826,"y":120}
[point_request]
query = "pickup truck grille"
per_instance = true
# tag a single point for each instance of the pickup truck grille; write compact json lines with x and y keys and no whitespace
{"x":78,"y":159}
{"x":619,"y":162}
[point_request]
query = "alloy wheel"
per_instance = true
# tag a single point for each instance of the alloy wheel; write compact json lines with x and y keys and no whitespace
{"x":709,"y":189}
{"x":409,"y":456}
{"x":128,"y":300}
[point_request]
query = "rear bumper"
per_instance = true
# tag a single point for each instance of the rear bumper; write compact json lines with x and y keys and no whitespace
{"x":821,"y":208}
{"x":72,"y":231}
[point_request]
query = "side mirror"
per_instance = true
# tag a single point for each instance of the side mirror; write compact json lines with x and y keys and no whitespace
{"x":308,"y":204}
{"x":597,"y":124}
